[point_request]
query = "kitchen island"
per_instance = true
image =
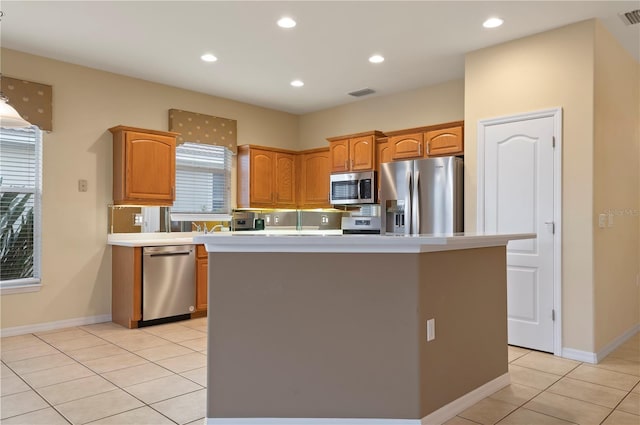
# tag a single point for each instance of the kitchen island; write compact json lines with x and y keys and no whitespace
{"x":333,"y":329}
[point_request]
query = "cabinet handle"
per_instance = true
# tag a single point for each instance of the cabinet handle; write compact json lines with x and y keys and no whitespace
{"x":346,"y":164}
{"x":428,"y":148}
{"x":352,"y":164}
{"x":419,"y":149}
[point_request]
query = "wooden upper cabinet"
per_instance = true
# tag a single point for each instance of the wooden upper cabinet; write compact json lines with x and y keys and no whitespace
{"x":445,"y":141}
{"x":407,"y":146}
{"x":144,"y":166}
{"x":266,"y":178}
{"x":262,"y":177}
{"x":356,"y":152}
{"x":384,"y":151}
{"x":314,"y":179}
{"x":285,"y":180}
{"x":339,"y":150}
{"x":362,"y":153}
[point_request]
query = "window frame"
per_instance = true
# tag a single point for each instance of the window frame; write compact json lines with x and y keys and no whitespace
{"x":31,"y":284}
{"x":225,"y":170}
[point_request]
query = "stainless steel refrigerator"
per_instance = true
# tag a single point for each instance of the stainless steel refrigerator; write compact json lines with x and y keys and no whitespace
{"x":422,"y":196}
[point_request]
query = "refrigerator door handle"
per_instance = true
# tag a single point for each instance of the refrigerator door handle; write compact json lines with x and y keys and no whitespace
{"x":415,"y":210}
{"x":407,"y":206}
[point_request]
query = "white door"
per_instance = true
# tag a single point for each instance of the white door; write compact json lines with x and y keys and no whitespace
{"x":519,"y":198}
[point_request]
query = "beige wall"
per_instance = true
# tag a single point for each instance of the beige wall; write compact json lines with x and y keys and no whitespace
{"x":429,"y":105}
{"x":76,"y":262}
{"x":616,"y":174}
{"x":552,"y":69}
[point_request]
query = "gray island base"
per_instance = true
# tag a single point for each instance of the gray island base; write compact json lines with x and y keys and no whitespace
{"x":305,"y":335}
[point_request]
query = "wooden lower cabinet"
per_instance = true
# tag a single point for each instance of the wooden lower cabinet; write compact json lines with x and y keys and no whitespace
{"x":202,"y":277}
{"x":126,"y":285}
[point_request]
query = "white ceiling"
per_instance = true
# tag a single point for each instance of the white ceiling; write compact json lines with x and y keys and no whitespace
{"x":424,"y":42}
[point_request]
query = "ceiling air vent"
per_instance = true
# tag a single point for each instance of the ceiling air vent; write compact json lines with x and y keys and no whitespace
{"x":362,"y":92}
{"x":631,"y":18}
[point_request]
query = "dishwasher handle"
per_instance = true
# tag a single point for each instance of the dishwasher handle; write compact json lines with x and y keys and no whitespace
{"x":167,"y":254}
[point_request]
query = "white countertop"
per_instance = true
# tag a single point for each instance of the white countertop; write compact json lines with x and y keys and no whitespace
{"x":337,"y":243}
{"x":186,"y":238}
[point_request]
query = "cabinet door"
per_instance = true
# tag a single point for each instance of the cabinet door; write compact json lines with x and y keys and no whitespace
{"x":406,"y":146}
{"x":202,"y":278}
{"x":262,"y":177}
{"x":150,"y":161}
{"x":285,"y":180}
{"x":362,"y":153}
{"x":339,"y":153}
{"x":314,"y":180}
{"x":385,"y":152}
{"x":447,"y":141}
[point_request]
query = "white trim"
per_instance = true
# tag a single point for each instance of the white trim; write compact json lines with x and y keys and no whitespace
{"x":611,"y":347}
{"x":438,"y":417}
{"x":309,"y":421}
{"x":579,"y":355}
{"x":30,"y":285}
{"x":593,"y":358}
{"x":556,"y":114}
{"x":458,"y":405}
{"x":49,"y":326}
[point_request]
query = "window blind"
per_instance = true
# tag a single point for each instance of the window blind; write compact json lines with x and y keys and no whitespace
{"x":20,"y":199}
{"x":203,"y":179}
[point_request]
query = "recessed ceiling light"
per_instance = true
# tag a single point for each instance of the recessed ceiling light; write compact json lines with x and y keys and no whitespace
{"x":286,"y":22}
{"x":492,"y":23}
{"x":208,"y":57}
{"x":297,"y":83}
{"x":376,"y":59}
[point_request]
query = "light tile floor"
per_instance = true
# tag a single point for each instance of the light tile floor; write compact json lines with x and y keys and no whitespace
{"x":106,"y":374}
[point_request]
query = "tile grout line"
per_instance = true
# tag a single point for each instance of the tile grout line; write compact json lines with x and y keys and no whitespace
{"x":39,"y":395}
{"x":117,"y":387}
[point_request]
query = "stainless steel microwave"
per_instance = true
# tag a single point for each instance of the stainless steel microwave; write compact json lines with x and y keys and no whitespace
{"x":353,"y":188}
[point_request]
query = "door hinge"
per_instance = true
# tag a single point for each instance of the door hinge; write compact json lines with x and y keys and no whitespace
{"x":553,"y":141}
{"x":553,"y":315}
{"x":553,"y":226}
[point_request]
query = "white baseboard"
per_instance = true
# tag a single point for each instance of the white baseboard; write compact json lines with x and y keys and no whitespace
{"x":49,"y":326}
{"x":309,"y":421}
{"x":579,"y":355}
{"x":438,"y":417}
{"x":589,"y":357}
{"x":458,"y":405}
{"x":611,"y":347}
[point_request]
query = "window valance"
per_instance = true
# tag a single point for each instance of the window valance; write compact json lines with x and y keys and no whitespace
{"x":33,"y":101}
{"x":201,"y":128}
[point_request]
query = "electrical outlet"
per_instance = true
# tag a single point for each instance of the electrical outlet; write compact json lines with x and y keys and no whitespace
{"x":431,"y":329}
{"x":83,"y":185}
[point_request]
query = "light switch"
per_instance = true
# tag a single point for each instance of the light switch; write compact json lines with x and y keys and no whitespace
{"x":83,"y":185}
{"x":610,"y":220}
{"x":431,"y":329}
{"x":602,"y":220}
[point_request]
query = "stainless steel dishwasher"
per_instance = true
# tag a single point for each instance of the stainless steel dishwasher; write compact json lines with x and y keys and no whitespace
{"x":168,"y":281}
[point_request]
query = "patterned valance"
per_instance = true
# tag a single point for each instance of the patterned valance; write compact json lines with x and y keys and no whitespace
{"x":200,"y":128}
{"x":33,"y":101}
